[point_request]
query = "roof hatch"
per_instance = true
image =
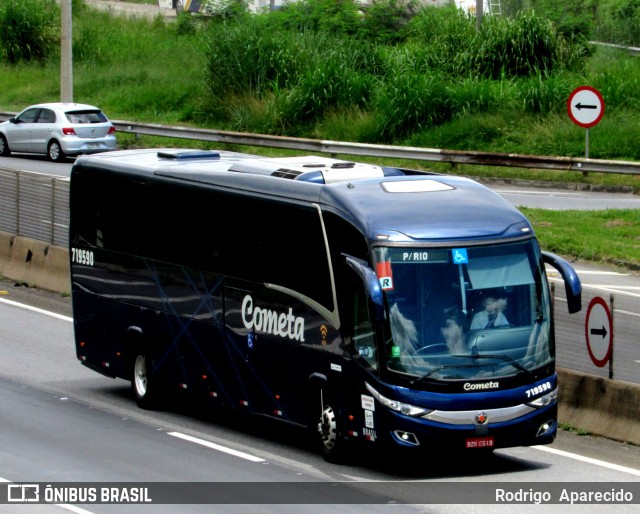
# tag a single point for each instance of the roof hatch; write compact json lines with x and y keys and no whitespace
{"x":181,"y":155}
{"x":321,"y":170}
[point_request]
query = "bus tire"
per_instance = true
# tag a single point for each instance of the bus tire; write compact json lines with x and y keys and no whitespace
{"x":331,"y":439}
{"x":142,"y":384}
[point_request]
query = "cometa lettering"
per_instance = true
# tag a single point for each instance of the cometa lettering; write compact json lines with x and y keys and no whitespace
{"x":283,"y":324}
{"x":481,"y":387}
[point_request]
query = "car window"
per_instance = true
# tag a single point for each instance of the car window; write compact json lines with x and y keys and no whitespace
{"x":29,"y":116}
{"x":46,"y":116}
{"x":86,"y":117}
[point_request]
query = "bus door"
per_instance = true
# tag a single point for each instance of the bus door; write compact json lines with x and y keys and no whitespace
{"x":362,"y":309}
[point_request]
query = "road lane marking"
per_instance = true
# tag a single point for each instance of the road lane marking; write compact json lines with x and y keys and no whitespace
{"x":554,"y":276}
{"x":589,"y":460}
{"x":600,"y":272}
{"x":217,"y":447}
{"x":614,"y":289}
{"x":535,"y":192}
{"x":35,"y":309}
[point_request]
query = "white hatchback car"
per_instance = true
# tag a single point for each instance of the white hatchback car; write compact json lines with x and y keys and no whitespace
{"x":58,"y":130}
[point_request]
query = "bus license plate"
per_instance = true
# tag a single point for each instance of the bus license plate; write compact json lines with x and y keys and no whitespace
{"x":480,"y":442}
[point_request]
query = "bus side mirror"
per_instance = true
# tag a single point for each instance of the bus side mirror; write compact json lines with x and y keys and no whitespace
{"x":572,"y":284}
{"x":370,"y":282}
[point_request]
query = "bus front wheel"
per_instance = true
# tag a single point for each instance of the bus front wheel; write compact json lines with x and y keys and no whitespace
{"x":141,"y":383}
{"x":330,"y":437}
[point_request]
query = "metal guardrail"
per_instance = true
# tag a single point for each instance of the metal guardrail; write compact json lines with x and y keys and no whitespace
{"x":583,"y":165}
{"x":631,"y":49}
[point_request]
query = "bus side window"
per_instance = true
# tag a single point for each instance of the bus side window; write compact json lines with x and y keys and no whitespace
{"x":363,"y":332}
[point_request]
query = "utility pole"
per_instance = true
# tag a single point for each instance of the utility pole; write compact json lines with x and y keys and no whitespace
{"x":66,"y":53}
{"x":479,"y":7}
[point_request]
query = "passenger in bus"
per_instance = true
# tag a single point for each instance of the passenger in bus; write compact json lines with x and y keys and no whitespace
{"x":491,"y":314}
{"x":405,"y":333}
{"x":453,"y":331}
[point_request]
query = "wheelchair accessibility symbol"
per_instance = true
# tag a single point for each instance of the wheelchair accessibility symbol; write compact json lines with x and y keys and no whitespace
{"x":460,"y":256}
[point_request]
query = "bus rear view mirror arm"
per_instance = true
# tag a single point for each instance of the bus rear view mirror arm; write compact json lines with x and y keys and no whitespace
{"x":370,"y":282}
{"x":572,"y":284}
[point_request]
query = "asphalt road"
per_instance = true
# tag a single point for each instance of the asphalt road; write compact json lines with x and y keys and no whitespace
{"x":563,"y":198}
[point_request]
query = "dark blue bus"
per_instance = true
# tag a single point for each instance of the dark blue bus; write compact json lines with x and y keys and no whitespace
{"x":373,"y":305}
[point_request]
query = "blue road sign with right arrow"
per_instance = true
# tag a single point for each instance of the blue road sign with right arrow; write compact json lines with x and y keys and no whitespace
{"x":585,"y":106}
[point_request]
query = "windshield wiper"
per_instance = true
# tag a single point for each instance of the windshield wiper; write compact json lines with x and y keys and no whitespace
{"x":444,"y":366}
{"x":504,"y":358}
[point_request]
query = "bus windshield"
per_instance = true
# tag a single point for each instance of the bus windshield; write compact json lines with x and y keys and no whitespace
{"x":464,"y":313}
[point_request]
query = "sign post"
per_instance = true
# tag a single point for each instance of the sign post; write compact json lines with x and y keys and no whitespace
{"x":586,"y":109}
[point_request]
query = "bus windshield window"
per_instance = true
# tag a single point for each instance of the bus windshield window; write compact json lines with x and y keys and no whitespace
{"x":465,"y":313}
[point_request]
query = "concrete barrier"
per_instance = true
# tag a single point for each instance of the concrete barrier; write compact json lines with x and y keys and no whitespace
{"x":596,"y":405}
{"x":35,"y":263}
{"x":600,"y":406}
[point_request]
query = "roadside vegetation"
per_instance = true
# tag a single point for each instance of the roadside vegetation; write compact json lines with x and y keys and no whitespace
{"x":393,"y":73}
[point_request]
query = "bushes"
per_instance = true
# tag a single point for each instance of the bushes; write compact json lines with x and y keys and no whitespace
{"x":520,"y":47}
{"x":29,"y":30}
{"x":619,"y":22}
{"x":298,"y":75}
{"x":411,"y":102}
{"x":252,"y":57}
{"x":332,"y":82}
{"x":302,"y":71}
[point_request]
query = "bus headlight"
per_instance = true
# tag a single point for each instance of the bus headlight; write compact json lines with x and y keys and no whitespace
{"x":403,"y":408}
{"x":545,"y":400}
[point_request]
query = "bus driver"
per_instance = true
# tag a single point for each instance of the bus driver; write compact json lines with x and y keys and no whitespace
{"x":492,"y":315}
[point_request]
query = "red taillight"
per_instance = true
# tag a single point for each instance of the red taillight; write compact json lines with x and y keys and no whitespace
{"x":68,"y":131}
{"x":112,"y":130}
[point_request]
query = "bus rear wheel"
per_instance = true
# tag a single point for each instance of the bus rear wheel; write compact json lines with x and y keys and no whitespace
{"x":142,"y":384}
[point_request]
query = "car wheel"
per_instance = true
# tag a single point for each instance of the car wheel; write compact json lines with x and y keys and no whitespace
{"x":4,"y":146}
{"x":54,"y":151}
